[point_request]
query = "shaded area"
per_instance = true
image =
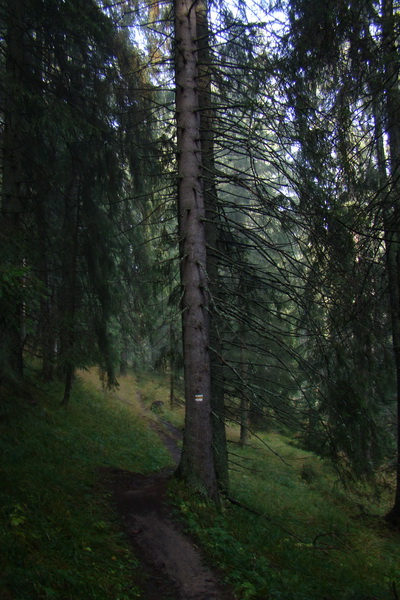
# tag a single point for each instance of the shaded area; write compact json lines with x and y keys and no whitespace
{"x":173,"y":565}
{"x":170,"y":435}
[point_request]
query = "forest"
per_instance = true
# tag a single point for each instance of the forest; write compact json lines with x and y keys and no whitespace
{"x":209,"y":192}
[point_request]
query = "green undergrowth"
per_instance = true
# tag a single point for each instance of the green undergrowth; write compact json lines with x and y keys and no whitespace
{"x":290,"y":530}
{"x":59,"y":537}
{"x":294,"y":532}
{"x":155,"y":388}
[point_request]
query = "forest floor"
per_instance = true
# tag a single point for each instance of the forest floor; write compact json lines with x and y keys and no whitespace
{"x":173,"y":567}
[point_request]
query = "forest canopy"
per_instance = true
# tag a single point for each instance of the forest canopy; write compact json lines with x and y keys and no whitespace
{"x":212,"y":190}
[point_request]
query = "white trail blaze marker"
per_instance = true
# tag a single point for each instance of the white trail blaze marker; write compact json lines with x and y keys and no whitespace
{"x":198,"y":397}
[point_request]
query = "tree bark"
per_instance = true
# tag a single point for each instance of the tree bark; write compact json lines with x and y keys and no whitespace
{"x":171,"y":367}
{"x":211,"y":232}
{"x":244,"y":402}
{"x":11,"y":237}
{"x":197,"y":465}
{"x":392,"y":213}
{"x":69,"y":288}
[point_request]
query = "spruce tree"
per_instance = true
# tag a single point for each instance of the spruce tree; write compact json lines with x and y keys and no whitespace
{"x":197,"y":465}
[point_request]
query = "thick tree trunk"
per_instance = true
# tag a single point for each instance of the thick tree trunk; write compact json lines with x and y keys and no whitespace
{"x":197,"y":466}
{"x":211,"y":232}
{"x":392,"y":212}
{"x":392,"y":272}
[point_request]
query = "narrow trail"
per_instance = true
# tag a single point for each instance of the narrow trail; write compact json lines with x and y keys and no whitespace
{"x":173,"y":566}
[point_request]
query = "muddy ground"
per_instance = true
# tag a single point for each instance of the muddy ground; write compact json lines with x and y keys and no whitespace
{"x":173,"y":567}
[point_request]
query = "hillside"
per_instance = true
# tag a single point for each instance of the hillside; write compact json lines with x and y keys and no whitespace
{"x":289,"y":530}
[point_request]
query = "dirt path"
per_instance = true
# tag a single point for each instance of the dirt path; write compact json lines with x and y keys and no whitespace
{"x":173,"y":565}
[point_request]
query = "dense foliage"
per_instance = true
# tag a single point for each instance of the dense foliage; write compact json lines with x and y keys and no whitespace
{"x":298,"y":141}
{"x":74,"y":105}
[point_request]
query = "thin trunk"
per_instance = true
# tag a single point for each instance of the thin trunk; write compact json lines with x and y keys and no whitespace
{"x":69,"y":377}
{"x":244,"y":402}
{"x":47,"y":332}
{"x":171,"y":367}
{"x":11,"y":234}
{"x":69,"y":290}
{"x":46,"y":338}
{"x":197,"y":465}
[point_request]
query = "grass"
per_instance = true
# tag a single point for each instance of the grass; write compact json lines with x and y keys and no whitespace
{"x":154,"y":387}
{"x":58,"y":534}
{"x":303,"y":538}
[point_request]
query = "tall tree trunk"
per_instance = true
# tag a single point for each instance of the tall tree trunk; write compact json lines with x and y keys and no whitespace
{"x":11,"y":236}
{"x":47,"y":326}
{"x":171,"y":366}
{"x":244,"y":401}
{"x":69,"y":290}
{"x":392,"y":212}
{"x":197,"y":465}
{"x":211,"y":232}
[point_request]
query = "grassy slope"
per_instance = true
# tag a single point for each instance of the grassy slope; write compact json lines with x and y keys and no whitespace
{"x":314,"y":540}
{"x":59,"y":538}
